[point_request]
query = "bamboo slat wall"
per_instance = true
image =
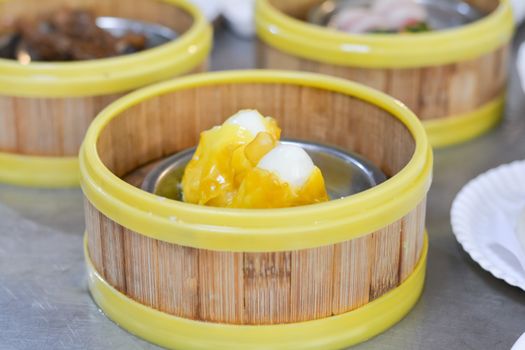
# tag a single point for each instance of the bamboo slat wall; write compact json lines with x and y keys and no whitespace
{"x":47,"y":126}
{"x":302,"y":113}
{"x":431,"y":92}
{"x":254,"y":288}
{"x":56,"y":126}
{"x":52,"y":127}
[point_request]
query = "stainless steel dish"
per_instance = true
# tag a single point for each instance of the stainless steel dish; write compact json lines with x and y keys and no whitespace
{"x":345,"y":173}
{"x":442,"y":14}
{"x":156,"y":34}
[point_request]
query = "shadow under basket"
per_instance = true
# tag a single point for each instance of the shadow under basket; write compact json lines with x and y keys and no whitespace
{"x":46,"y":107}
{"x":454,"y":80}
{"x":321,"y":276}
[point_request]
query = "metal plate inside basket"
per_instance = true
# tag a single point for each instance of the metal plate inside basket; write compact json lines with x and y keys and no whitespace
{"x":442,"y":14}
{"x":345,"y":173}
{"x":156,"y":34}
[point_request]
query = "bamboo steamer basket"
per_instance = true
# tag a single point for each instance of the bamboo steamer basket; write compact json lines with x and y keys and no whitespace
{"x":454,"y":80}
{"x":46,"y":108}
{"x":322,"y":276}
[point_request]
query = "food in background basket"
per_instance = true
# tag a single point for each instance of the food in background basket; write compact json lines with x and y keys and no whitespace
{"x":382,"y":16}
{"x":65,"y":35}
{"x":241,"y":164}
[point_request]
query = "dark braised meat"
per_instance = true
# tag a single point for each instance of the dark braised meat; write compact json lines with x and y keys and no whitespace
{"x":65,"y":35}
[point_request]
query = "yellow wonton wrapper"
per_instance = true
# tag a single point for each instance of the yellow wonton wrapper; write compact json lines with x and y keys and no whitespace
{"x":263,"y":189}
{"x":220,"y":162}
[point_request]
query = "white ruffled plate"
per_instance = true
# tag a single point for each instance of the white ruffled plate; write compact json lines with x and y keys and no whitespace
{"x":484,"y":217}
{"x":520,"y":344}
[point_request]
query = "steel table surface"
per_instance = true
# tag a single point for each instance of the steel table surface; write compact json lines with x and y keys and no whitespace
{"x":45,"y":304}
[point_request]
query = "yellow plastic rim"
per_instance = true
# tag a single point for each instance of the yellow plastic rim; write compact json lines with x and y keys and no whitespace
{"x":336,"y":332}
{"x":34,"y":171}
{"x":460,"y":128}
{"x":255,"y":229}
{"x":326,"y":45}
{"x":111,"y":75}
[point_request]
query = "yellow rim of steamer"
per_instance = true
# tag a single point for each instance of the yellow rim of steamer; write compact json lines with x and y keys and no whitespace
{"x":111,"y":75}
{"x":459,"y":128}
{"x":327,"y":45}
{"x":257,"y":230}
{"x":336,"y":332}
{"x":35,"y":171}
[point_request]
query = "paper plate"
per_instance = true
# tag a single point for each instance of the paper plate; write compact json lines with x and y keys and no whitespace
{"x":484,"y":217}
{"x":520,"y":344}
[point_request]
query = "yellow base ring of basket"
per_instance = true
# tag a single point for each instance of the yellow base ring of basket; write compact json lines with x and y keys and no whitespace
{"x":461,"y":128}
{"x":336,"y":332}
{"x":34,"y":171}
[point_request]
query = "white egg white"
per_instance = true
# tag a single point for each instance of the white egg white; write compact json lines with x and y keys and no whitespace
{"x":290,"y":163}
{"x":248,"y":119}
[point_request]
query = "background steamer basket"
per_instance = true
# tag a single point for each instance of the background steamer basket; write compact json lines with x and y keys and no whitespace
{"x":46,"y":107}
{"x":192,"y":277}
{"x":454,"y":80}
